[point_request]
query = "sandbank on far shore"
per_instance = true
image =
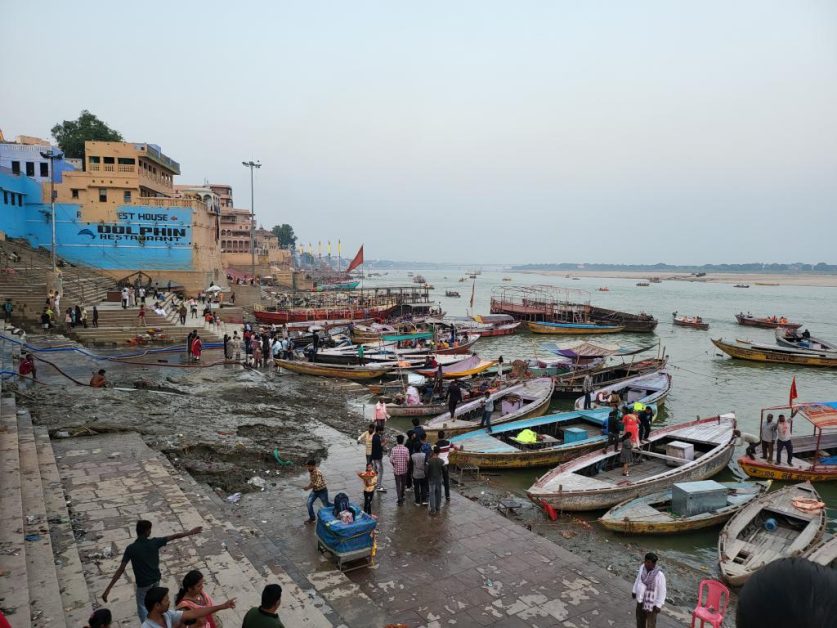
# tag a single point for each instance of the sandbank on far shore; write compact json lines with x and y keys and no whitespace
{"x":802,"y":279}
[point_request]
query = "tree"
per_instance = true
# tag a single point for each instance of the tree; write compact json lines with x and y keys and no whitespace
{"x":286,"y":236}
{"x":71,"y":134}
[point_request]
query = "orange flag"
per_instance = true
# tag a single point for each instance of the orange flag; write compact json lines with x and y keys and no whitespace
{"x":357,"y":261}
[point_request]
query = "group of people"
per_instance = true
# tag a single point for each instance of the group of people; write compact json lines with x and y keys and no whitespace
{"x":76,"y":316}
{"x":192,"y":605}
{"x":259,"y":346}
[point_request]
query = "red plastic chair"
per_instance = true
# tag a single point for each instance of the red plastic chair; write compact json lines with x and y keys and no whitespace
{"x":715,"y":607}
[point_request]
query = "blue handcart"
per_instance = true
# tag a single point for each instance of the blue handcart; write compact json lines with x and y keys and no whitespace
{"x":347,"y":542}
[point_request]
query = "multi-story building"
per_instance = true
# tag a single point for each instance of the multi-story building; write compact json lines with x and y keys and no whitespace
{"x":24,"y":157}
{"x":122,"y":214}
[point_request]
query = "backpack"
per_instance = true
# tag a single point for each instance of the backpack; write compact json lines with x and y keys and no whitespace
{"x":341,"y":503}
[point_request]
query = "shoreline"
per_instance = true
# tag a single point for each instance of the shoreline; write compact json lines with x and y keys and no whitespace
{"x":766,"y":279}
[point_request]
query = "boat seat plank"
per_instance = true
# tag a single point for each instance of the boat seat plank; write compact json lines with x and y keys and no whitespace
{"x":487,"y":444}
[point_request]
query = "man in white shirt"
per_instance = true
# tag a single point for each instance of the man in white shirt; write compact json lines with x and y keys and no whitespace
{"x":649,"y":592}
{"x":159,"y":615}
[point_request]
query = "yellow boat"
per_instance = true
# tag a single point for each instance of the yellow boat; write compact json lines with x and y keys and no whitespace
{"x":336,"y":370}
{"x":758,"y":353}
{"x":472,"y":365}
{"x":573,"y":328}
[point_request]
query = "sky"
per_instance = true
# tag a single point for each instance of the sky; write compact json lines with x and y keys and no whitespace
{"x":469,"y":131}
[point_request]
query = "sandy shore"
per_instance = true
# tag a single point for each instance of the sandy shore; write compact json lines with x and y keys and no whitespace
{"x":807,"y":279}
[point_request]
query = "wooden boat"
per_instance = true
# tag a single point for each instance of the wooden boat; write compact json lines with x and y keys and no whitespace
{"x":790,"y":339}
{"x":643,"y":284}
{"x":293,"y":314}
{"x":501,"y":450}
{"x":519,"y":401}
{"x":824,"y":553}
{"x":814,"y":455}
{"x":766,"y":322}
{"x":604,"y":289}
{"x":342,"y":285}
{"x":420,"y":410}
{"x":649,"y":389}
{"x":452,"y":293}
{"x":569,"y":385}
{"x":573,"y":328}
{"x":595,"y":481}
{"x":472,"y":365}
{"x":745,"y":545}
{"x":775,"y":355}
{"x":741,"y":285}
{"x":634,"y":323}
{"x":369,"y":371}
{"x":462,"y":347}
{"x":695,"y":322}
{"x":651,"y":514}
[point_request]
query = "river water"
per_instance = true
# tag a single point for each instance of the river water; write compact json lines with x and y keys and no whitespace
{"x":705,"y":382}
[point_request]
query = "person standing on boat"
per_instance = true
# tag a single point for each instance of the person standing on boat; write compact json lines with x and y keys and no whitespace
{"x":627,"y":455}
{"x":631,"y":423}
{"x":500,"y":374}
{"x":645,"y":418}
{"x":360,"y":351}
{"x":587,"y":388}
{"x":768,"y":438}
{"x":454,"y":396}
{"x":612,"y":431}
{"x":784,"y":436}
{"x":649,"y":592}
{"x":487,"y":411}
{"x":438,"y":381}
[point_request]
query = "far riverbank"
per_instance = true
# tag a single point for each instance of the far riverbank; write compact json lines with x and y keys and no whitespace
{"x":801,"y":279}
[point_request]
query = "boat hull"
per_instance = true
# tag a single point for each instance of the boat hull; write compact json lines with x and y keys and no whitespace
{"x":325,"y":370}
{"x":525,"y":460}
{"x":764,"y":323}
{"x":766,"y":471}
{"x":571,"y":384}
{"x":293,"y":315}
{"x":761,"y":354}
{"x":573,"y":330}
{"x":424,"y":410}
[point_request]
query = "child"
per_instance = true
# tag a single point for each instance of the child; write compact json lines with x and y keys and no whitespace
{"x":626,"y":457}
{"x":369,"y":478}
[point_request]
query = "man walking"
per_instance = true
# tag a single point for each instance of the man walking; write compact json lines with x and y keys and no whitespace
{"x":399,"y":458}
{"x":144,"y":556}
{"x":419,"y":460}
{"x":587,"y":389}
{"x":435,"y":467}
{"x":649,"y":592}
{"x":381,"y":414}
{"x":318,"y":488}
{"x":377,"y":456}
{"x":454,"y":397}
{"x":768,"y":438}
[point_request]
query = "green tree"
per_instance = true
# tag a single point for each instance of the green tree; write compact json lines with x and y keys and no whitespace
{"x":285,"y":233}
{"x":71,"y":134}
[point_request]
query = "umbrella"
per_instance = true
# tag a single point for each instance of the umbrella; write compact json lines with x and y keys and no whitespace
{"x":213,"y":289}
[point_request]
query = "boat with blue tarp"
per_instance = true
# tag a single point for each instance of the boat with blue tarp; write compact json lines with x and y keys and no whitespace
{"x":538,"y":442}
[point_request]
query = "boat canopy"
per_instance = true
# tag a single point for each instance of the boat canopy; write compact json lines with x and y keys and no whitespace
{"x":585,"y":349}
{"x":821,"y":414}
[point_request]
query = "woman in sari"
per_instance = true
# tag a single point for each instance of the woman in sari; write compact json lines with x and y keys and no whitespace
{"x":192,"y":596}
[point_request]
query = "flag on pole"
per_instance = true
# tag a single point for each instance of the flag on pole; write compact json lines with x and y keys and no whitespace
{"x":338,"y":247}
{"x":329,"y":248}
{"x":793,"y":394}
{"x":357,"y":261}
{"x":473,"y":290}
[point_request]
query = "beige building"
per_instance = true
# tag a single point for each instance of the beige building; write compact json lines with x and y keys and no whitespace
{"x":127,"y":199}
{"x":235,"y":242}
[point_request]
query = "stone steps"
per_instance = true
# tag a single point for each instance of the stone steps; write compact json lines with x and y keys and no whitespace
{"x":114,"y":480}
{"x":42,"y":579}
{"x":14,"y":593}
{"x":75,"y":597}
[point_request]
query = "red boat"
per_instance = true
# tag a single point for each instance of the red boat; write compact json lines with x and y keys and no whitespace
{"x":768,"y":322}
{"x":299,"y":314}
{"x":695,"y":322}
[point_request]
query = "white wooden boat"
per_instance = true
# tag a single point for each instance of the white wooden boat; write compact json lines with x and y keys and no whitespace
{"x":824,"y":553}
{"x":792,"y":339}
{"x":746,"y":544}
{"x":651,"y":514}
{"x":647,"y":389}
{"x":595,"y":481}
{"x":519,"y":401}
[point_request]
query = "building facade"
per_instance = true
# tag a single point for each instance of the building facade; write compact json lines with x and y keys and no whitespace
{"x":23,"y":157}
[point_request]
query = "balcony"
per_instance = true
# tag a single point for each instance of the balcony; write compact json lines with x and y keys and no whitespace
{"x":154,"y":153}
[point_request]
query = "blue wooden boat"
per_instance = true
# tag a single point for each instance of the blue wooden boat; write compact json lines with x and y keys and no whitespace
{"x":561,"y":436}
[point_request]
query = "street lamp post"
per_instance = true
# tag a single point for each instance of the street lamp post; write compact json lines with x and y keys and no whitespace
{"x":252,"y":165}
{"x":52,"y":156}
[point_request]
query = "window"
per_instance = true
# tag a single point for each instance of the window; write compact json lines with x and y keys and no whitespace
{"x":44,"y":169}
{"x":94,"y":160}
{"x":126,"y":196}
{"x":15,"y":167}
{"x":75,"y":193}
{"x":5,"y":197}
{"x":126,"y":161}
{"x":103,"y":195}
{"x":30,"y":168}
{"x":108,"y":160}
{"x":20,"y":200}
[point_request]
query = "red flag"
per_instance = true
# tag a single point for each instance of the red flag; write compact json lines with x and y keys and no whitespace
{"x":357,"y":261}
{"x":793,"y":394}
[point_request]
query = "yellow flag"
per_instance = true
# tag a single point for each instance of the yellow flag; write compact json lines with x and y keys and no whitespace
{"x":329,"y":248}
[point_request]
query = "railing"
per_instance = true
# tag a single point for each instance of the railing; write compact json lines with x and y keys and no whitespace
{"x":156,"y":178}
{"x":93,"y":167}
{"x":162,"y":201}
{"x":126,"y":168}
{"x":108,"y":167}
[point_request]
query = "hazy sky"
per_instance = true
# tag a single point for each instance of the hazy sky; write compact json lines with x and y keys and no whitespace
{"x":468,"y":131}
